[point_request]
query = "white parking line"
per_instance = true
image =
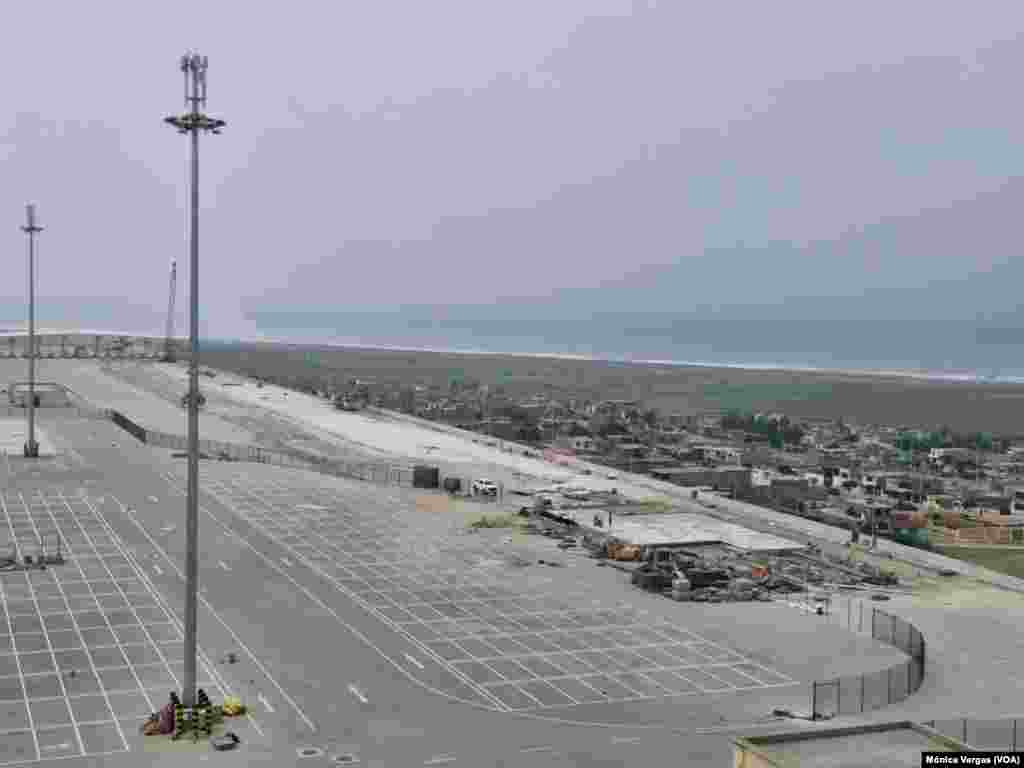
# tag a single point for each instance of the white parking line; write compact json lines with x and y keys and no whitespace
{"x":413,"y":661}
{"x":309,"y":723}
{"x":440,"y":760}
{"x":286,"y":562}
{"x":358,"y":694}
{"x":266,"y":704}
{"x":627,"y":739}
{"x":223,"y":565}
{"x":536,"y":749}
{"x":158,"y":570}
{"x":343,"y":590}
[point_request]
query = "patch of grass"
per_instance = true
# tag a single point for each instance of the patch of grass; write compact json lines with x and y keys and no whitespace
{"x":507,"y":520}
{"x":1010,"y":561}
{"x":655,"y":504}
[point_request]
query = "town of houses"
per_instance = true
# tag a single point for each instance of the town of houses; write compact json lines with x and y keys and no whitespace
{"x":947,"y":488}
{"x":883,"y":480}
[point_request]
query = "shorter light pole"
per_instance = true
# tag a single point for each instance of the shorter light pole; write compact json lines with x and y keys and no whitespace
{"x":31,"y":228}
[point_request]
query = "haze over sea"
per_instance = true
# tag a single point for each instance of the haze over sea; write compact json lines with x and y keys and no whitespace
{"x":954,"y":349}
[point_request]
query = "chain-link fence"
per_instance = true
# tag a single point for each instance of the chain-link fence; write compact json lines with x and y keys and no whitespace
{"x":44,"y":412}
{"x":387,"y":473}
{"x":983,"y":734}
{"x":383,"y":472}
{"x":855,"y":694}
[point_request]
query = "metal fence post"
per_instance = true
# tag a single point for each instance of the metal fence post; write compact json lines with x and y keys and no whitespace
{"x":964,"y":740}
{"x":862,"y":678}
{"x":860,"y":621}
{"x":888,"y":693}
{"x":814,"y":700}
{"x":1013,"y":746}
{"x":873,"y":612}
{"x":909,"y":682}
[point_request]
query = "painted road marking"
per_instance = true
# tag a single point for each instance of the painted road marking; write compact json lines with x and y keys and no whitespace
{"x":223,"y":565}
{"x":440,"y":760}
{"x":358,"y":694}
{"x":266,"y":704}
{"x":152,"y":499}
{"x":626,"y":739}
{"x":309,"y":723}
{"x":63,"y":745}
{"x":286,"y":562}
{"x":414,"y":661}
{"x":312,"y":597}
{"x":159,"y":570}
{"x":536,"y":749}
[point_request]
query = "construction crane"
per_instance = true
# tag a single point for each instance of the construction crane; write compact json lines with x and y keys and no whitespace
{"x":169,"y":356}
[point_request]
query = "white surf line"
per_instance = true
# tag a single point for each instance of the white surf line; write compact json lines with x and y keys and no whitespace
{"x":498,"y":705}
{"x":328,"y":609}
{"x":412,"y":660}
{"x":266,"y":704}
{"x":358,"y":694}
{"x":309,"y":723}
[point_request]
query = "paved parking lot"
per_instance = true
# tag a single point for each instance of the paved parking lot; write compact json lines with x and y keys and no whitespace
{"x":87,"y":648}
{"x":524,"y":649}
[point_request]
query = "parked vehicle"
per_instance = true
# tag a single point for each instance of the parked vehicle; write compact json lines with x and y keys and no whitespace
{"x":484,"y":487}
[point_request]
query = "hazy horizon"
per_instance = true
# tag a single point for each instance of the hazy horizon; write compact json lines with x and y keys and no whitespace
{"x":801,"y":185}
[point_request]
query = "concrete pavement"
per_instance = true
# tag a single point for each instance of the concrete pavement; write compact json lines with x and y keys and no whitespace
{"x":401,"y":723}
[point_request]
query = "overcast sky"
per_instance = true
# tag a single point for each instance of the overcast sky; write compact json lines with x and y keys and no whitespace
{"x":594,"y":153}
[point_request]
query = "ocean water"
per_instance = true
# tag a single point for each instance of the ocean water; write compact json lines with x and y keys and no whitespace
{"x":949,"y":349}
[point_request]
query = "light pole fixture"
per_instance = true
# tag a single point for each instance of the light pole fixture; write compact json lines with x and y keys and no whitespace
{"x":31,"y":228}
{"x":193,"y":122}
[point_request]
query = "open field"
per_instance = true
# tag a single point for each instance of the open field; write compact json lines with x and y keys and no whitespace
{"x":1008,"y":561}
{"x":857,"y":397}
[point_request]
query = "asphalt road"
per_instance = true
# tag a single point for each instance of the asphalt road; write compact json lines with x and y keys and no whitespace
{"x":312,"y":662}
{"x":318,"y":667}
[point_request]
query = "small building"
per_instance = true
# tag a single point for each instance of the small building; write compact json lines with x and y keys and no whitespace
{"x":577,"y":443}
{"x":48,"y":394}
{"x":897,"y":744}
{"x":719,"y":454}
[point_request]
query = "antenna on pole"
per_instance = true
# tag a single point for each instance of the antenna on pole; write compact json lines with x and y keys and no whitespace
{"x":193,"y":122}
{"x":31,"y":228}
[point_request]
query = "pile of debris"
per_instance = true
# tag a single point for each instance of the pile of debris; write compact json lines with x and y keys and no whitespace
{"x":39,"y":561}
{"x":725,"y":575}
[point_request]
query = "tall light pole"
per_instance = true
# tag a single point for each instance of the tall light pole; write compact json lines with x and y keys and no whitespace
{"x":31,"y":228}
{"x":193,"y":122}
